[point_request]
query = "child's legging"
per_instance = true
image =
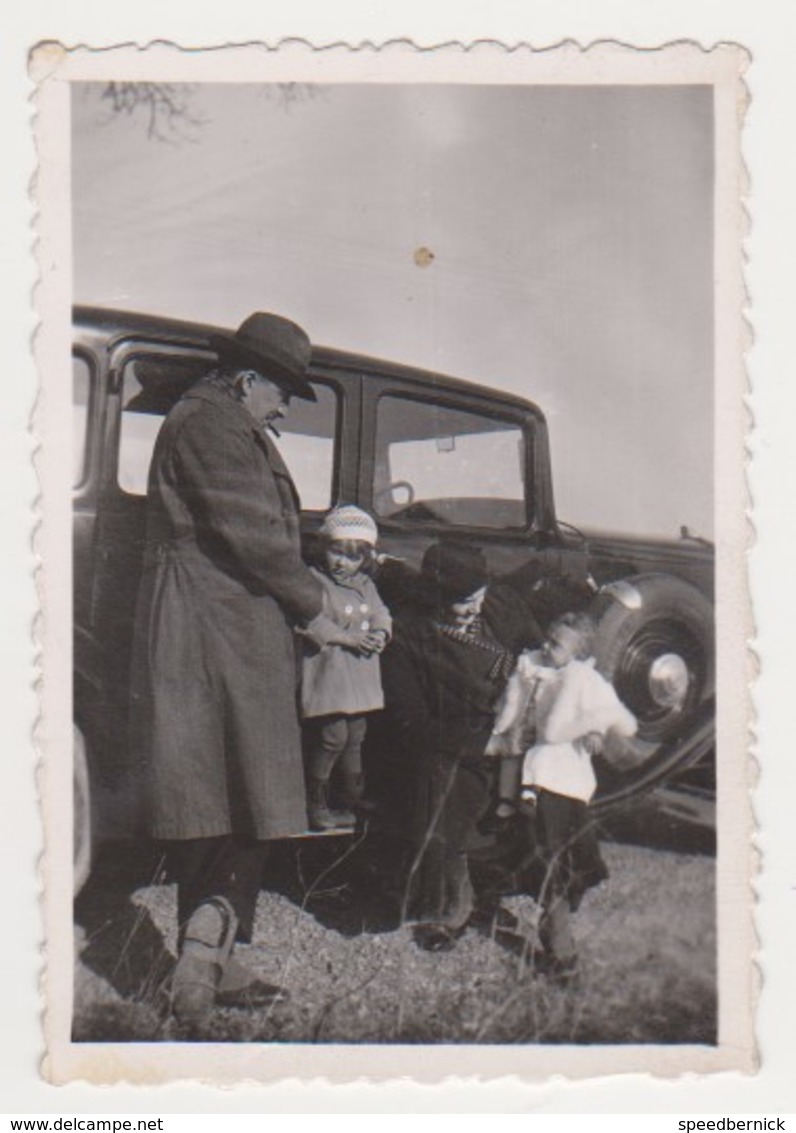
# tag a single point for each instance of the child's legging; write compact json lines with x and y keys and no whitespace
{"x":336,"y":741}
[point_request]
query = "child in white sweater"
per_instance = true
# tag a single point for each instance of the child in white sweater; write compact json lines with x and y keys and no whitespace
{"x":557,"y":696}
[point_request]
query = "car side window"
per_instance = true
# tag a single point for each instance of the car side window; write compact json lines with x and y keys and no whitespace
{"x":438,"y":463}
{"x":81,"y":399}
{"x":152,"y":385}
{"x":307,"y":444}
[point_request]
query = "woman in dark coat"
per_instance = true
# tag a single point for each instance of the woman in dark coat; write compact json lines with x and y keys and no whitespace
{"x":442,"y":675}
{"x":214,"y":675}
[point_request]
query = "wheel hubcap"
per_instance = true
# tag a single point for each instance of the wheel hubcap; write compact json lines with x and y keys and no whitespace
{"x":669,"y":680}
{"x":659,"y":677}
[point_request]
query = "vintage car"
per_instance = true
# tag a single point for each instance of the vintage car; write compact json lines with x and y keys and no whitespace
{"x":429,"y":456}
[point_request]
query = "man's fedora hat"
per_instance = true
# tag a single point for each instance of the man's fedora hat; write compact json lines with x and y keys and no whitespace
{"x":275,"y":347}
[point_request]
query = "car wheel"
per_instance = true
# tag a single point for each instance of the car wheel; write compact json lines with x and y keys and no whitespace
{"x":81,"y":812}
{"x":655,"y":643}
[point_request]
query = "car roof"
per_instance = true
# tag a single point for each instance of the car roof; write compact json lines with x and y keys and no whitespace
{"x":116,"y":325}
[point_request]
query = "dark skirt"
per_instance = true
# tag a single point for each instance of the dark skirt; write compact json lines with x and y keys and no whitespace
{"x":560,"y":854}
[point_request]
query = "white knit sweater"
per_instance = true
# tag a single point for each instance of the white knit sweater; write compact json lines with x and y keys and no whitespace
{"x":562,"y":706}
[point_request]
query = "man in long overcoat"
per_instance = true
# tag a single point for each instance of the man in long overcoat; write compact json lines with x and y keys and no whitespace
{"x":214,"y":675}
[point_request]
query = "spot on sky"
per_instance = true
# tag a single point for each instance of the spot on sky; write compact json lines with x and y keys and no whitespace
{"x":423,"y":257}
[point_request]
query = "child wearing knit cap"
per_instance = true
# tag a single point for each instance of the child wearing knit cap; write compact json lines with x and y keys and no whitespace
{"x":341,"y":682}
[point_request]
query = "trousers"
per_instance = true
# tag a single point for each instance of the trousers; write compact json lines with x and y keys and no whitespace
{"x":453,"y":796}
{"x":228,"y":866}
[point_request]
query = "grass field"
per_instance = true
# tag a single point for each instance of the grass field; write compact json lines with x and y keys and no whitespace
{"x":647,"y":944}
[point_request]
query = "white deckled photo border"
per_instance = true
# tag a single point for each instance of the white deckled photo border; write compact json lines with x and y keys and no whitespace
{"x":54,"y":69}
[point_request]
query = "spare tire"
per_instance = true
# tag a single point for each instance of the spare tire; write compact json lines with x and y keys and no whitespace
{"x":655,"y":643}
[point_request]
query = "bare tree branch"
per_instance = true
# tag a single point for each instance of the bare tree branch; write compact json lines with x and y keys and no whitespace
{"x":168,"y":108}
{"x":291,"y":94}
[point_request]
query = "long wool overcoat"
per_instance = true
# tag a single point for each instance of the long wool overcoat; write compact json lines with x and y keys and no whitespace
{"x":214,"y":673}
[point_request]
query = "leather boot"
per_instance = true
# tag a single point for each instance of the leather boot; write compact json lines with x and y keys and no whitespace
{"x":205,"y":950}
{"x":352,"y":789}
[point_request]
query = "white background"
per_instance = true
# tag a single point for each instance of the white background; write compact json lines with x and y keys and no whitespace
{"x":766,"y":29}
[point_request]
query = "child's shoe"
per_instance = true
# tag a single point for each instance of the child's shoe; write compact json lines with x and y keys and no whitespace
{"x":436,"y":937}
{"x":320,"y":816}
{"x":343,"y":817}
{"x":352,"y":797}
{"x":560,"y":970}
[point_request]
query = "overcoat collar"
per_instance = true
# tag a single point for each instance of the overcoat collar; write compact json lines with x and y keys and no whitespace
{"x":208,"y":391}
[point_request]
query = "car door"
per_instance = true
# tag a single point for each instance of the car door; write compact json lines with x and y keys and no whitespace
{"x":144,"y":379}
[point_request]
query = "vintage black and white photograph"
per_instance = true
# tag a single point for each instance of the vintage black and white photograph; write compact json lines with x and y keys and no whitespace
{"x":407,"y":491}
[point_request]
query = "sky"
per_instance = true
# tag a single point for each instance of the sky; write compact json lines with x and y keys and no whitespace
{"x":572,"y":238}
